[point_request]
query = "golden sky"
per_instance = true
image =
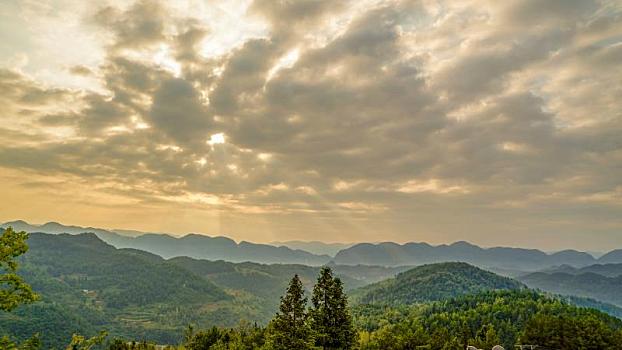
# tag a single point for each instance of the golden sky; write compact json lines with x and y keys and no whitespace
{"x":496,"y":122}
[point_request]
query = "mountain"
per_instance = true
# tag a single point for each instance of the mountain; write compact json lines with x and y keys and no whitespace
{"x":571,"y":257}
{"x":501,"y":258}
{"x":87,"y":285}
{"x":315,"y":247}
{"x":613,"y":257}
{"x":52,"y":227}
{"x":587,"y":284}
{"x":433,"y":282}
{"x":609,"y":270}
{"x":191,"y":245}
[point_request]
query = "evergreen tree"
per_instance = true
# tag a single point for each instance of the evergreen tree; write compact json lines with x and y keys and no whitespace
{"x":330,"y":318}
{"x":289,"y":330}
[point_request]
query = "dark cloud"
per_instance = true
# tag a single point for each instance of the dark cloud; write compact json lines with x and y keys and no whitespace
{"x":177,"y":111}
{"x":141,"y":25}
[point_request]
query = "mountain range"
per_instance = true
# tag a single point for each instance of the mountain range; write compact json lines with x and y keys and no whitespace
{"x":315,"y":247}
{"x":501,"y":258}
{"x":87,"y":284}
{"x":191,"y":245}
{"x":504,"y":260}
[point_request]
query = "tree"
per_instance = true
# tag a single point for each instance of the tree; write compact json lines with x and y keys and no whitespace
{"x":330,"y":318}
{"x":289,"y":330}
{"x":13,"y":290}
{"x":79,"y":342}
{"x":33,"y":343}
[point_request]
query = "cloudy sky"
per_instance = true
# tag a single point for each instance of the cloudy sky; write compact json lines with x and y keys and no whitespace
{"x":496,"y":122}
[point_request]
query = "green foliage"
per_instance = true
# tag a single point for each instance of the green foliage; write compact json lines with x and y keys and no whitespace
{"x":13,"y":290}
{"x":79,"y":342}
{"x":34,"y":343}
{"x":289,"y":329}
{"x":568,"y":332}
{"x":329,"y":315}
{"x":243,"y":337}
{"x":431,"y":283}
{"x":483,"y":320}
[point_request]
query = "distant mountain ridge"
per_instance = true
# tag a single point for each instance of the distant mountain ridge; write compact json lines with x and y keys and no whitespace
{"x":584,"y":284}
{"x":191,"y":245}
{"x":608,"y":270}
{"x":393,"y":254}
{"x":315,"y":247}
{"x":513,"y":261}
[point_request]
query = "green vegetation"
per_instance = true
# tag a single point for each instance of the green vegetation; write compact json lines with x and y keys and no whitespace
{"x":141,"y":300}
{"x":485,"y":319}
{"x":433,"y":282}
{"x":330,"y":318}
{"x":13,"y":290}
{"x":290,"y":328}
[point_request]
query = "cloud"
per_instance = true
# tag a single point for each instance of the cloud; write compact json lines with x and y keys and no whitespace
{"x":141,"y":25}
{"x":177,"y":110}
{"x":351,"y":117}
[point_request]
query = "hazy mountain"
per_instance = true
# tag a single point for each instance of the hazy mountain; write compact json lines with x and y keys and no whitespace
{"x":508,"y":261}
{"x":393,"y":254}
{"x":191,"y":245}
{"x":433,"y":282}
{"x":53,"y":227}
{"x":609,"y":270}
{"x":314,"y":247}
{"x":587,"y":284}
{"x":613,"y":257}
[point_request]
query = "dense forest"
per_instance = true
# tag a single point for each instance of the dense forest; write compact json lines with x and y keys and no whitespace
{"x":129,"y":299}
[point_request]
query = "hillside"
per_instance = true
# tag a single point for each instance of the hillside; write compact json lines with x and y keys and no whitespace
{"x":87,"y":285}
{"x":393,"y":254}
{"x":588,"y":284}
{"x":431,"y":283}
{"x":485,"y":319}
{"x":191,"y":245}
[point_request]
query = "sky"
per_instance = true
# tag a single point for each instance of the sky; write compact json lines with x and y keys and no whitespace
{"x":495,"y":122}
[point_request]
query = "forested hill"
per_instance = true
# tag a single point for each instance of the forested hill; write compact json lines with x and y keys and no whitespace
{"x":87,"y":285}
{"x":433,"y":282}
{"x":507,"y":317}
{"x":120,"y":277}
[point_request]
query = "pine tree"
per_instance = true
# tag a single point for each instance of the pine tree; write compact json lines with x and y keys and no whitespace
{"x":289,"y":330}
{"x":330,"y":318}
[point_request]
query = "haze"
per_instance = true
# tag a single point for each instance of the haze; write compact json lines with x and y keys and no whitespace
{"x":496,"y":122}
